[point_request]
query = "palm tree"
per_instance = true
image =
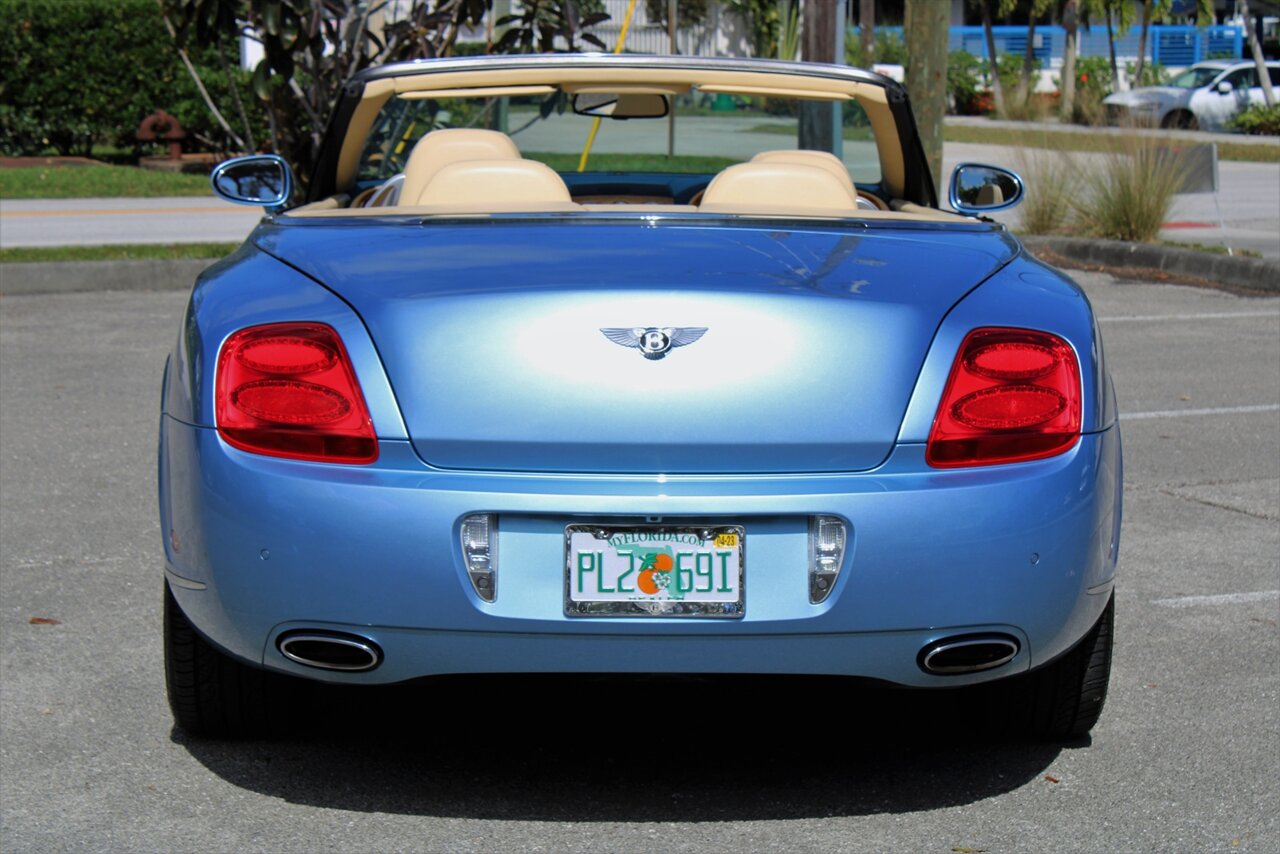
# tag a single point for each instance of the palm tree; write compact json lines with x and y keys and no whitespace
{"x":1069,"y":15}
{"x":1264,"y":76}
{"x":1119,"y":17}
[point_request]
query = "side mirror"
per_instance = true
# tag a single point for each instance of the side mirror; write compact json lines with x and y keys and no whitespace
{"x":259,"y":179}
{"x":621,"y":105}
{"x":1225,"y":87}
{"x":977,"y":189}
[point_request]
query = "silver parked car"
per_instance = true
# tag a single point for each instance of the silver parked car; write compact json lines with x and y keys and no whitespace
{"x":1206,"y":96}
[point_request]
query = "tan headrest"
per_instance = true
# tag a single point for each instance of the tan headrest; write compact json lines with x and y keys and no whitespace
{"x":805,"y":157}
{"x":771,"y":186}
{"x":990,"y":195}
{"x":493,"y":183}
{"x":442,"y":147}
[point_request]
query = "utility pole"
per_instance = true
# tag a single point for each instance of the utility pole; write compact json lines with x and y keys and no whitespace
{"x":821,"y":124}
{"x":671,"y":117}
{"x":867,"y":30}
{"x":926,"y":29}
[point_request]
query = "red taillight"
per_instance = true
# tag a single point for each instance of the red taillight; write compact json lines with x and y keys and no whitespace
{"x":1013,"y":395}
{"x":288,"y":390}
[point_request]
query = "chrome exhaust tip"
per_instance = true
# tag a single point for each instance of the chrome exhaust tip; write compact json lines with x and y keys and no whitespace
{"x":330,"y":651}
{"x":967,"y":654}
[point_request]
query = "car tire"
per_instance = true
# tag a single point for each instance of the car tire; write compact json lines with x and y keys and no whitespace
{"x":1180,"y":120}
{"x":1062,"y":700}
{"x":213,"y":695}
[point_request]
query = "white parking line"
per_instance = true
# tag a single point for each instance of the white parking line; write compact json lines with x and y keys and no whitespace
{"x":1213,"y":410}
{"x":1221,"y":599}
{"x":1214,"y":315}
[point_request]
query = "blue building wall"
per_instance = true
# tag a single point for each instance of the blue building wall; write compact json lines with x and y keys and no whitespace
{"x":1169,"y":46}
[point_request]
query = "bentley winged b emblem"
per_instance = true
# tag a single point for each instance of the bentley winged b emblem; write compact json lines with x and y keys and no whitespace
{"x":654,"y":342}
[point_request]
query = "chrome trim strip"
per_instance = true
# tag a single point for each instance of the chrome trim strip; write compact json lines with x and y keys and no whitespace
{"x":946,"y":647}
{"x":375,"y":657}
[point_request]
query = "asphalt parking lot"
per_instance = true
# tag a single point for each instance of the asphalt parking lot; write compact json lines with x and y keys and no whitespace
{"x":1184,"y":758}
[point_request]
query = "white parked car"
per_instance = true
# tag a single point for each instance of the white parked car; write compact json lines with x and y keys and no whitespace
{"x":1205,"y":95}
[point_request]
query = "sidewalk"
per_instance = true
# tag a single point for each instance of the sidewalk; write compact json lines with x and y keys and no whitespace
{"x":96,"y":222}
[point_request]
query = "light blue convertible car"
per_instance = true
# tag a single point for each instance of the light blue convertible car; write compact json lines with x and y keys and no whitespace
{"x":597,"y":364}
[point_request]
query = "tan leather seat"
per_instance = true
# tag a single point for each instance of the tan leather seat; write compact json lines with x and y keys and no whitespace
{"x":439,"y":148}
{"x":496,"y":185}
{"x":805,"y":157}
{"x":771,"y":186}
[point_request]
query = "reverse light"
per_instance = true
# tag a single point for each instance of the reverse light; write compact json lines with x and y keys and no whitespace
{"x":480,"y":553}
{"x":288,"y":390}
{"x":1013,"y":395}
{"x":827,"y":535}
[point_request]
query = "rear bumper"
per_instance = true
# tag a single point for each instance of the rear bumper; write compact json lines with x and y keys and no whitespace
{"x":256,"y":547}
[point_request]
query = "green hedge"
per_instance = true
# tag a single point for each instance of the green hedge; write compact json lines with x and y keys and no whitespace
{"x":80,"y":73}
{"x":1258,"y":119}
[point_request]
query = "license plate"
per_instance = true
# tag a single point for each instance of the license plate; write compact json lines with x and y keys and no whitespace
{"x":654,"y":571}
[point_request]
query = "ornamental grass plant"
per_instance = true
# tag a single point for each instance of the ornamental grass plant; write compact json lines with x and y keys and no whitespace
{"x":1051,"y":184}
{"x":1127,"y":189}
{"x":1117,"y":186}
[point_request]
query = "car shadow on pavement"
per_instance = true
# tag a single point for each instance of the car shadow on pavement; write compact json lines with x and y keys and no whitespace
{"x":605,"y":749}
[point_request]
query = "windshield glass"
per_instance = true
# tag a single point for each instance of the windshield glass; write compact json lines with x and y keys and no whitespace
{"x":704,"y":133}
{"x":1194,"y":78}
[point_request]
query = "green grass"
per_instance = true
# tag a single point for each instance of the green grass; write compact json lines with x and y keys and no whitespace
{"x":126,"y":252}
{"x":634,"y":162}
{"x":1212,"y":248}
{"x":1068,"y":141}
{"x":88,"y":182}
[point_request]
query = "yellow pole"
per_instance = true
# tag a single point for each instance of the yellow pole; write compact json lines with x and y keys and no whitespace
{"x":595,"y":124}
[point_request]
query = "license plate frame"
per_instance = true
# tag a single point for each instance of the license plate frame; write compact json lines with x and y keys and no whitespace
{"x":725,"y":575}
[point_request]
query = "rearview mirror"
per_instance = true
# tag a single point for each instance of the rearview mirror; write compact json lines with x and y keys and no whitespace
{"x":1225,"y":87}
{"x":977,"y":189}
{"x":621,"y":105}
{"x":259,"y":179}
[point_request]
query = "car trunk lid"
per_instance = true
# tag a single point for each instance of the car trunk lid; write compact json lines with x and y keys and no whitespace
{"x":511,"y":346}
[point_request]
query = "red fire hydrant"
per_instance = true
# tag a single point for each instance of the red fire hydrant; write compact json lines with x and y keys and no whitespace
{"x":162,"y":126}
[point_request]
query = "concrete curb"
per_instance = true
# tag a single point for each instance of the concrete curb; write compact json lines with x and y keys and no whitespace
{"x":59,"y":277}
{"x":1165,"y":262}
{"x":1189,"y":265}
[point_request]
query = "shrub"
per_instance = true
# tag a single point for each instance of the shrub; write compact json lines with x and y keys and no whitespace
{"x":1128,"y":190}
{"x":1009,"y":67}
{"x":86,"y":72}
{"x":1093,"y":83}
{"x":1258,"y":119}
{"x":890,"y":50}
{"x":1153,"y":74}
{"x":964,"y":73}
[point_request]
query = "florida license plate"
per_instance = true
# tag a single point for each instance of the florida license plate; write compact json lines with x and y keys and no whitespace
{"x":658,"y":571}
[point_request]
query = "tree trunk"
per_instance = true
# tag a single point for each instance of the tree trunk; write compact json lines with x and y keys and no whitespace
{"x":1028,"y":59}
{"x":1251,"y":32}
{"x":1142,"y":40}
{"x":925,"y":30}
{"x":1067,"y":91}
{"x":818,"y":123}
{"x":1111,"y":46}
{"x":867,"y":30}
{"x":997,"y":91}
